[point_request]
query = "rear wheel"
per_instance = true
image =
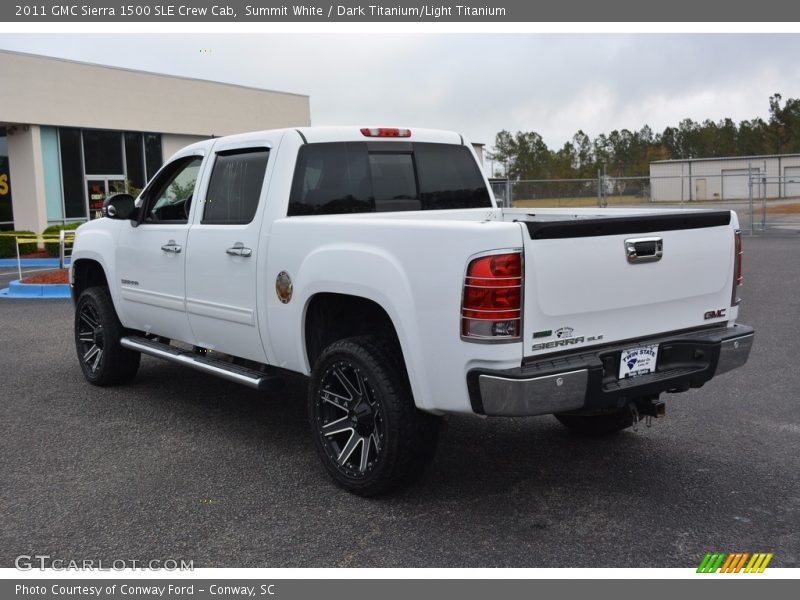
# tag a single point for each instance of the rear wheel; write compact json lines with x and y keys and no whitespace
{"x":369,"y":434}
{"x":97,"y":334}
{"x":597,"y":425}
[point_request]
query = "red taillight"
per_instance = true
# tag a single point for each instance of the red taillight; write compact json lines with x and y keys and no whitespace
{"x":385,"y":132}
{"x":737,"y":266}
{"x":491,"y":307}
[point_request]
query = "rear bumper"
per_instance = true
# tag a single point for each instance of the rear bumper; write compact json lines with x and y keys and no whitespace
{"x":587,"y":381}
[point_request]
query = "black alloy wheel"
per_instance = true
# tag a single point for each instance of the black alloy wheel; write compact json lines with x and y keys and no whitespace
{"x":367,"y":430}
{"x":349,"y":421}
{"x":90,"y":338}
{"x":97,"y":340}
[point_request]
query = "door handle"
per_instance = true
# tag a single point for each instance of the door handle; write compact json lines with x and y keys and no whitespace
{"x":171,"y":246}
{"x":238,"y":249}
{"x":639,"y":250}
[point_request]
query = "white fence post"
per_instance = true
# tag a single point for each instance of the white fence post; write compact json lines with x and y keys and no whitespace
{"x":19,"y":261}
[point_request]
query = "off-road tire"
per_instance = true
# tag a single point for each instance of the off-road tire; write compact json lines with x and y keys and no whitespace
{"x":98,"y":330}
{"x":400,"y":440}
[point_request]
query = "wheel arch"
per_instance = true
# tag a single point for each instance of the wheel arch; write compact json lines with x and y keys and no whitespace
{"x":330,"y":317}
{"x":86,"y":273}
{"x":365,"y":288}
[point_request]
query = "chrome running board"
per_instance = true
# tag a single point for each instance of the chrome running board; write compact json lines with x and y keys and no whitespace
{"x":199,"y":362}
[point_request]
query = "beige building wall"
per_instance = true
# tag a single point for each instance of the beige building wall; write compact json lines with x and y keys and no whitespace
{"x":50,"y":91}
{"x":171,"y":143}
{"x":43,"y":91}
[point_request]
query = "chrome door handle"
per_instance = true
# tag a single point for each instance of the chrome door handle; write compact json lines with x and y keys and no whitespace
{"x":171,"y":246}
{"x":649,"y":249}
{"x":238,"y":249}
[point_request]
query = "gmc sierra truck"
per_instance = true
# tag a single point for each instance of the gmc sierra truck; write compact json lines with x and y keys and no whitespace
{"x":376,"y":262}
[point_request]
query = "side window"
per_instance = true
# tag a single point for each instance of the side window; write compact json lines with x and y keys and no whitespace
{"x":168,"y":198}
{"x":235,"y":187}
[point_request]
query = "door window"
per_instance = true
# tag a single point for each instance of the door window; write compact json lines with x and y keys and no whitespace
{"x":235,"y":187}
{"x":169,"y":196}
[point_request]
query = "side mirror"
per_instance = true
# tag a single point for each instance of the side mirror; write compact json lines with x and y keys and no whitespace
{"x":119,"y":206}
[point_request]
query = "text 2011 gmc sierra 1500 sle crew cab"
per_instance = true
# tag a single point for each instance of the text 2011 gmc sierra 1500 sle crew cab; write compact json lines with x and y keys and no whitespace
{"x":376,"y":262}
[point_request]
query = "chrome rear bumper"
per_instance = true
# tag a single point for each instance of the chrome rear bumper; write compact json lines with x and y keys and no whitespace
{"x":587,"y":380}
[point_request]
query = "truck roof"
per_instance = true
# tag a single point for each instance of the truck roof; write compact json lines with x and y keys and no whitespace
{"x":353,"y":134}
{"x":350,"y":133}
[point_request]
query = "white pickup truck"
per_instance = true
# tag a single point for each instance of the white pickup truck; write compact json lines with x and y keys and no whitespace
{"x":376,"y":262}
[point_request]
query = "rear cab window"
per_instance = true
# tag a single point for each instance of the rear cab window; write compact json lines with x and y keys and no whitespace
{"x":357,"y":177}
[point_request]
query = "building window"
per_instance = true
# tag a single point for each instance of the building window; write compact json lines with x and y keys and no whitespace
{"x":152,"y":154}
{"x":96,"y":163}
{"x":72,"y":175}
{"x":134,"y":160}
{"x":102,"y":152}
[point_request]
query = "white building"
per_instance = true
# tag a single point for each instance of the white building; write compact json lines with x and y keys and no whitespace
{"x":71,"y":132}
{"x":708,"y":179}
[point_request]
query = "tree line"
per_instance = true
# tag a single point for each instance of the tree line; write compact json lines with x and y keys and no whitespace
{"x":627,"y":153}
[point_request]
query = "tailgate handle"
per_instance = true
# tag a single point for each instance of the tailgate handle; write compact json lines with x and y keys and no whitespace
{"x":639,"y":250}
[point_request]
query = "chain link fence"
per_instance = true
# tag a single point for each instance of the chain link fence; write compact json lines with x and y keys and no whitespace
{"x":761,"y":202}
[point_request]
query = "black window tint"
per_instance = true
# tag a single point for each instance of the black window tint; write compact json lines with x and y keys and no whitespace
{"x":102,"y":152}
{"x":332,"y":178}
{"x":346,"y":177}
{"x":449,"y":178}
{"x":393,"y":181}
{"x":235,"y":187}
{"x":169,"y":197}
{"x":69,"y":141}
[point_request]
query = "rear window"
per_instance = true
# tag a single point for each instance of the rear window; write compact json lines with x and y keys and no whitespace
{"x":356,"y":177}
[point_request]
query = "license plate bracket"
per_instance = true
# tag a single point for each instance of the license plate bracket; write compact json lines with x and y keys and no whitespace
{"x":637,"y":361}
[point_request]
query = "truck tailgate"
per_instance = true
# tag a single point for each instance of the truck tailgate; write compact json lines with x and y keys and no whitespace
{"x":599,"y":280}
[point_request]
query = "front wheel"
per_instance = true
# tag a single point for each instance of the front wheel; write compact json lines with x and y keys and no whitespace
{"x":366,"y":429}
{"x":97,"y":334}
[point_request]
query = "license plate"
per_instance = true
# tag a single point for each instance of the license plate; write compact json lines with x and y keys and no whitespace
{"x":638,"y":361}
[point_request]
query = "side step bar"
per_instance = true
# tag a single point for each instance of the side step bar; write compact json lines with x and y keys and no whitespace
{"x":236,"y":373}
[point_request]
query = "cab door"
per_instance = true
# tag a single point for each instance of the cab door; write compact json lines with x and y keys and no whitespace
{"x":151,"y":257}
{"x":222,"y":266}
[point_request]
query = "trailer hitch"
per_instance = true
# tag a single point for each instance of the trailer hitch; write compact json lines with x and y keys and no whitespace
{"x":649,"y":408}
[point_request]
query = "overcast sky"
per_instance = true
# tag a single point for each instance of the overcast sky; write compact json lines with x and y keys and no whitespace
{"x":475,"y":84}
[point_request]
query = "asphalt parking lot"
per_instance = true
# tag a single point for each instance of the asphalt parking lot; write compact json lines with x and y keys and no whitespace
{"x":182,"y":465}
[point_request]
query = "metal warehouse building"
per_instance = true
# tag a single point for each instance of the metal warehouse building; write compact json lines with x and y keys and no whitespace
{"x":701,"y":179}
{"x":71,"y":132}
